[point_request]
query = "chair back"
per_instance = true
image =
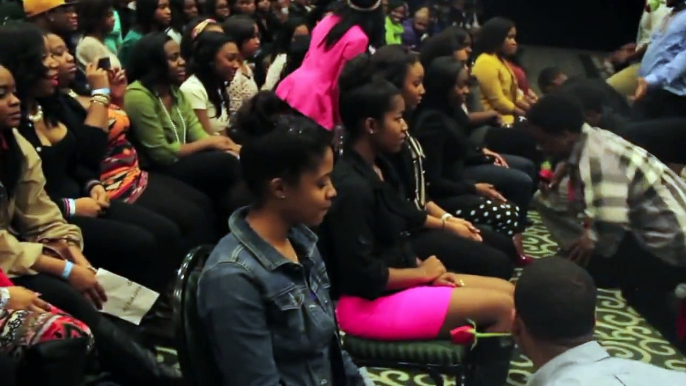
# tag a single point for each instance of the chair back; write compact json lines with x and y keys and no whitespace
{"x":195,"y":355}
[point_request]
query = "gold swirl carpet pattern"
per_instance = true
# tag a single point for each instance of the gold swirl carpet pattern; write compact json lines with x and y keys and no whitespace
{"x":619,"y":328}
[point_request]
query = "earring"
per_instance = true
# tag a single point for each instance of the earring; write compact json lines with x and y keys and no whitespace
{"x":282,"y":197}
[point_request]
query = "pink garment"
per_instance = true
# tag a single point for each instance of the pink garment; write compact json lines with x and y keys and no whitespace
{"x":413,"y":314}
{"x":312,"y":89}
{"x":520,"y":75}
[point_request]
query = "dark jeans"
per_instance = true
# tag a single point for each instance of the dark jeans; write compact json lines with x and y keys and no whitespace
{"x":188,"y":208}
{"x":134,"y":242}
{"x":664,"y":138}
{"x":516,"y":183}
{"x":660,"y":104}
{"x":493,"y":257}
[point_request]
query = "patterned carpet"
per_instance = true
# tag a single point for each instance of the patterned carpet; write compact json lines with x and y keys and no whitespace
{"x":620,"y":329}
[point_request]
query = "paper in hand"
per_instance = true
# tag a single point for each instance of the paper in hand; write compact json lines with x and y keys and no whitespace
{"x":125,"y":299}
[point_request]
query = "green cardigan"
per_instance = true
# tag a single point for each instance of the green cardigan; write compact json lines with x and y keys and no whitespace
{"x":152,"y":128}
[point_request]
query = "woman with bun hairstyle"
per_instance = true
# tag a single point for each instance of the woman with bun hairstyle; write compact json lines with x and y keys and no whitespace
{"x":267,"y":277}
{"x":387,"y":291}
{"x":312,"y":89}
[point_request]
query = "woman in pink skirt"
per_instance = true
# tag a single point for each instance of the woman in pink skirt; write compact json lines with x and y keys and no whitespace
{"x":312,"y":89}
{"x":386,"y":291}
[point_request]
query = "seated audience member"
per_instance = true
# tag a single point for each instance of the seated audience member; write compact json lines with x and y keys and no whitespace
{"x":550,"y":79}
{"x":386,"y":291}
{"x":69,"y":144}
{"x":442,"y":127}
{"x":312,"y":89}
{"x":193,"y":30}
{"x":288,"y":171}
{"x":243,"y":86}
{"x":242,"y":7}
{"x":498,"y":84}
{"x":69,"y":283}
{"x":218,"y":10}
{"x":395,"y":15}
{"x":215,"y":63}
{"x":296,"y":55}
{"x":183,"y":12}
{"x":416,"y":29}
{"x":555,"y":304}
{"x":166,"y":127}
{"x":292,"y":28}
{"x":633,"y":207}
{"x":58,"y":16}
{"x":151,"y":16}
{"x":661,"y":90}
{"x":256,"y":114}
{"x":267,"y":22}
{"x":96,"y":20}
{"x":406,"y":73}
{"x":120,"y":171}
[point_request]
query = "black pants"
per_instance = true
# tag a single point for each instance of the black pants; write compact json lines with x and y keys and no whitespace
{"x":660,"y":104}
{"x":493,"y":257}
{"x":8,"y":367}
{"x":513,"y":141}
{"x":664,"y":138}
{"x":134,"y":242}
{"x":212,"y":172}
{"x":187,"y":207}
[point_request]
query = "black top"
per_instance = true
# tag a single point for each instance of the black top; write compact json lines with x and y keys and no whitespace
{"x":447,"y":148}
{"x":72,"y":165}
{"x":364,"y":233}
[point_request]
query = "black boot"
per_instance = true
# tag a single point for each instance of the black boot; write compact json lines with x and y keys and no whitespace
{"x":54,"y":363}
{"x":489,"y":362}
{"x":129,"y":361}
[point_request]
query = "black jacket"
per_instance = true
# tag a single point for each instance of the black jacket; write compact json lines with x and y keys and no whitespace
{"x":365,"y":232}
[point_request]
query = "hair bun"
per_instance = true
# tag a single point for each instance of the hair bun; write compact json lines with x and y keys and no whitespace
{"x":357,"y":72}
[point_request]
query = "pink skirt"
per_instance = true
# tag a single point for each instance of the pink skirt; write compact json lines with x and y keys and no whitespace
{"x":414,"y":314}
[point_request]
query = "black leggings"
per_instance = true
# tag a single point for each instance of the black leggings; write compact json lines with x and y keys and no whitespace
{"x":188,"y":208}
{"x":493,"y":257}
{"x":134,"y":242}
{"x":503,"y":217}
{"x":212,"y":172}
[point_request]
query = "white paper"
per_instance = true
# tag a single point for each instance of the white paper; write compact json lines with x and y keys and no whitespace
{"x":125,"y":299}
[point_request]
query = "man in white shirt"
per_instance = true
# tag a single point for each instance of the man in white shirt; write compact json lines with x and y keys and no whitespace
{"x":555,"y":303}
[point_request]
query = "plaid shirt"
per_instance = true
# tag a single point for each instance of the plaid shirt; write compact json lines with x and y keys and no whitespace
{"x":625,"y":188}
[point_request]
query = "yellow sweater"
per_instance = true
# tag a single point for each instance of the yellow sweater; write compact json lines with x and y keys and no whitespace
{"x":499,"y":88}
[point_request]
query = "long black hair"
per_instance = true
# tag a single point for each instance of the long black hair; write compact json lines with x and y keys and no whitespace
{"x":284,"y":38}
{"x":371,"y":22}
{"x":22,"y":54}
{"x":439,"y":82}
{"x":145,"y":15}
{"x":241,"y":27}
{"x":492,"y":35}
{"x":392,"y":62}
{"x":178,"y":15}
{"x":190,"y":35}
{"x":296,"y":54}
{"x":148,"y":63}
{"x":202,"y":66}
{"x":364,"y":94}
{"x":289,"y":147}
{"x":92,"y":13}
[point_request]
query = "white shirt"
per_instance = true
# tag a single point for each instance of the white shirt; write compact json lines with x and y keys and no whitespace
{"x":194,"y":91}
{"x":274,"y":72}
{"x":90,"y":50}
{"x":242,"y":88}
{"x":590,"y":365}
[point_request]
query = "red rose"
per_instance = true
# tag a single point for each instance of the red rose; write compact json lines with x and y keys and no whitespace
{"x":465,"y":335}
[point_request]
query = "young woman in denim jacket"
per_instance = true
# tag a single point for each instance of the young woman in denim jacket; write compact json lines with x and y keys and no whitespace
{"x":264,"y":292}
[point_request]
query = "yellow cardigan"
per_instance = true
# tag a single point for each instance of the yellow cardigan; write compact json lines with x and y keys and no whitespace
{"x":499,"y":88}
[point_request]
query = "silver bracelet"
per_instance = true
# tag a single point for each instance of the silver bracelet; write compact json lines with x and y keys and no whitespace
{"x":4,"y":297}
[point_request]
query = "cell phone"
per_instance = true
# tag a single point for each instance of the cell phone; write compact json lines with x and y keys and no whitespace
{"x":105,"y":63}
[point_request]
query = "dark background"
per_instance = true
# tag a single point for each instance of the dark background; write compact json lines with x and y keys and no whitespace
{"x":602,"y":25}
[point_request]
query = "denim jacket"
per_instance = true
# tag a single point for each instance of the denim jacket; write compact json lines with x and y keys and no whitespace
{"x":271,"y":320}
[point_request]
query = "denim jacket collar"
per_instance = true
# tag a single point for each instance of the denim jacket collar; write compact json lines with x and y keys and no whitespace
{"x":302,"y":237}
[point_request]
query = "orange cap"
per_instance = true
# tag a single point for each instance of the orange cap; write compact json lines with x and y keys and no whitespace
{"x":36,"y":7}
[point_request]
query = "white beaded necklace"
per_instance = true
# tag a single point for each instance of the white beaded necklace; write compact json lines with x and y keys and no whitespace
{"x":183,"y":121}
{"x":38,"y":117}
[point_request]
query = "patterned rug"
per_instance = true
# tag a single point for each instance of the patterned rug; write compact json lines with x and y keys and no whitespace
{"x":619,"y":328}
